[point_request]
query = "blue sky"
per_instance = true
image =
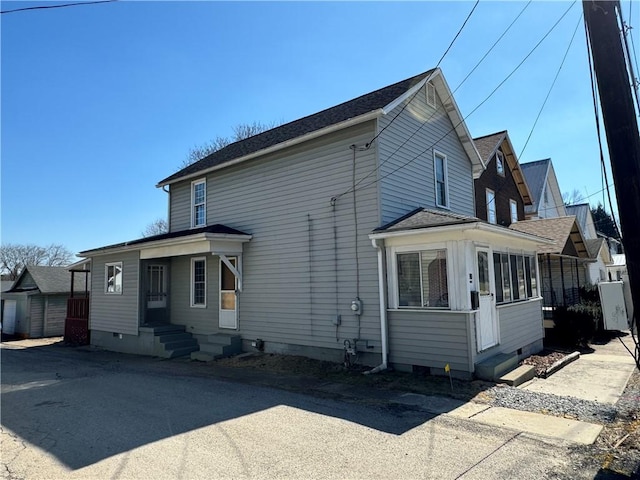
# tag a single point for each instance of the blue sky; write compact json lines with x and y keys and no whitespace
{"x":101,"y":102}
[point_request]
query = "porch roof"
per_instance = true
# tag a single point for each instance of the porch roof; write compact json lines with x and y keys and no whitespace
{"x":422,"y":219}
{"x":210,"y":232}
{"x":564,"y":231}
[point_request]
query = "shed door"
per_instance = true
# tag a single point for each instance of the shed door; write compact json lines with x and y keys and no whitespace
{"x":9,"y":317}
{"x":228,"y":299}
{"x":486,"y":318}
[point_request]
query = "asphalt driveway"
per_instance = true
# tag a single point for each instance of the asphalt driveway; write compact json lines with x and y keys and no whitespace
{"x":68,"y":413}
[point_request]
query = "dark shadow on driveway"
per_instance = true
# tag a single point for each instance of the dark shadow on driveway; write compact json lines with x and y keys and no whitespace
{"x":84,"y":406}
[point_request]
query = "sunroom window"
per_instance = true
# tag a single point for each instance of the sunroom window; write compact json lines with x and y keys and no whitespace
{"x":515,"y":277}
{"x":422,"y":279}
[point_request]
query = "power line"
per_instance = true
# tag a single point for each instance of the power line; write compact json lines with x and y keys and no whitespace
{"x":437,"y":65}
{"x":422,"y":124}
{"x":64,"y":5}
{"x":403,"y":165}
{"x":550,"y":88}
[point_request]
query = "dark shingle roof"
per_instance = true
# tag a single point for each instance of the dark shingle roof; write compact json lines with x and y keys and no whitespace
{"x":488,"y":144}
{"x":564,"y":231}
{"x":49,"y":280}
{"x":340,"y":113}
{"x":217,"y":228}
{"x":424,"y":218}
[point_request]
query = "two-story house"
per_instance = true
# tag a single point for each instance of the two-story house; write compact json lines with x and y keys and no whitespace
{"x":502,"y":193}
{"x":349,"y":231}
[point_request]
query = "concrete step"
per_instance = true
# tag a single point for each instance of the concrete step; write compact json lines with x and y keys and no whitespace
{"x":493,"y":368}
{"x":215,"y":350}
{"x":172,"y":337}
{"x":163,"y":329}
{"x":181,"y":352}
{"x":518,"y":376}
{"x":220,"y":339}
{"x":185,"y":342}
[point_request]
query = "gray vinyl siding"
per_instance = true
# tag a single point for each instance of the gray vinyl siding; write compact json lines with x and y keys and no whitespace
{"x":111,"y":312}
{"x":56,"y":312}
{"x":284,"y":201}
{"x":429,"y":338}
{"x":520,"y":324}
{"x":36,"y":316}
{"x":195,"y":319}
{"x":413,"y":184}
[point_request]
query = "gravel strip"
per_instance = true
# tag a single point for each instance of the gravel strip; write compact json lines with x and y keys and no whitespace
{"x":568,"y":407}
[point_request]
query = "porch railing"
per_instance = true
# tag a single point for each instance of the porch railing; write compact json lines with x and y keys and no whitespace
{"x":78,"y":308}
{"x":76,"y":325}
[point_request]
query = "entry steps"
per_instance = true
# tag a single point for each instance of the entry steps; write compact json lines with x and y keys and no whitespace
{"x":217,"y":345}
{"x":503,"y":368}
{"x":171,"y":341}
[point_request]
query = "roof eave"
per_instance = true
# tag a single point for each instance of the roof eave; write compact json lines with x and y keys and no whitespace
{"x":280,"y":146}
{"x":166,"y":242}
{"x":482,"y":226}
{"x":460,"y":126}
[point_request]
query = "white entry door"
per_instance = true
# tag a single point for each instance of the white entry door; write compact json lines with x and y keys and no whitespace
{"x":486,"y":324}
{"x":9,"y":317}
{"x":228,"y":317}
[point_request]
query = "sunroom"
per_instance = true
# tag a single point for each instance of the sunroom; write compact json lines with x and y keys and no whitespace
{"x":457,"y":290}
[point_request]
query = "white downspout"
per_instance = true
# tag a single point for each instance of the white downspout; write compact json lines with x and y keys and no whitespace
{"x":383,"y":308}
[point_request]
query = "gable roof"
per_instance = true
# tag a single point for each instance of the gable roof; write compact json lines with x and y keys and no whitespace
{"x":487,"y":147}
{"x":47,"y":280}
{"x":564,"y":231}
{"x":362,"y":108}
{"x":582,"y":212}
{"x":535,"y":173}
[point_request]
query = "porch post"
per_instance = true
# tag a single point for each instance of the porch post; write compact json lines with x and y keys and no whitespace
{"x":234,"y":270}
{"x":564,"y":304}
{"x":553,"y":300}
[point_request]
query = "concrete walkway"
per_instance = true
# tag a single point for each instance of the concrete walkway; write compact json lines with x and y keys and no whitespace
{"x":599,"y":376}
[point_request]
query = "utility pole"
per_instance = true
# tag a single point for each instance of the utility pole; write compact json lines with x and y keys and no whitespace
{"x":621,"y":126}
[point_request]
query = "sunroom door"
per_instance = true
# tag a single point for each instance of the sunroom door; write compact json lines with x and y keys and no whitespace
{"x":228,"y":317}
{"x":486,"y":319}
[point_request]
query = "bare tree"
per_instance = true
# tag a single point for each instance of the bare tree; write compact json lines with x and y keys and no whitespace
{"x":240,"y":132}
{"x":572,"y":198}
{"x":14,"y":257}
{"x":157,"y":227}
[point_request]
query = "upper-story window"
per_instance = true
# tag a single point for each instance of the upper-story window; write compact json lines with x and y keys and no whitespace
{"x":491,"y":206}
{"x":431,"y":95}
{"x":198,"y":203}
{"x":513,"y":208}
{"x":441,"y":179}
{"x":500,"y":163}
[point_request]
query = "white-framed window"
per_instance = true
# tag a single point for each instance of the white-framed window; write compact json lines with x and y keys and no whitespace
{"x":431,"y":95}
{"x":441,"y":179}
{"x":422,"y":279}
{"x":500,"y":163}
{"x":199,"y":282}
{"x":515,"y":276}
{"x":113,"y":278}
{"x":491,"y":206}
{"x":199,"y":203}
{"x":513,"y":208}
